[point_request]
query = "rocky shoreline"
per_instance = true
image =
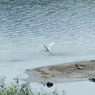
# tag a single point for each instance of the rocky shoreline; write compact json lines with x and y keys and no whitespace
{"x":66,"y":72}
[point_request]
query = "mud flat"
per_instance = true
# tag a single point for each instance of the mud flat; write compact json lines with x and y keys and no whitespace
{"x":67,"y":72}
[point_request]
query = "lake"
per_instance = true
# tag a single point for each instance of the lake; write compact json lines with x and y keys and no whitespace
{"x":27,"y":25}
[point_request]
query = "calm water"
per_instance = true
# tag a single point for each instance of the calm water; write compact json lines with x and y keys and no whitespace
{"x":27,"y":25}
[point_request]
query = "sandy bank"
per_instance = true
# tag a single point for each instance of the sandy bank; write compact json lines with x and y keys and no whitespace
{"x":67,"y":72}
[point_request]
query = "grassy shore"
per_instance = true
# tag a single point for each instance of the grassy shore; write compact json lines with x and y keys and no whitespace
{"x":16,"y":88}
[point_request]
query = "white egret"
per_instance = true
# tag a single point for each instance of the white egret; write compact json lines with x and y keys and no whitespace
{"x":48,"y":48}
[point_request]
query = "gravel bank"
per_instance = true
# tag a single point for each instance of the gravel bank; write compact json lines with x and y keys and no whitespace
{"x":67,"y":72}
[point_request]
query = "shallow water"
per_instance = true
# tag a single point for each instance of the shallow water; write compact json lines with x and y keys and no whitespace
{"x":25,"y":26}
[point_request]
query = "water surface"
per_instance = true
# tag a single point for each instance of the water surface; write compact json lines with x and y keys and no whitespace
{"x":25,"y":26}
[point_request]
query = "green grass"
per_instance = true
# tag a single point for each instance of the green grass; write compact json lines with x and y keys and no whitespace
{"x":21,"y":89}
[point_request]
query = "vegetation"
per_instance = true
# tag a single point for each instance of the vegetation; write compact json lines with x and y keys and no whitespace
{"x":21,"y":89}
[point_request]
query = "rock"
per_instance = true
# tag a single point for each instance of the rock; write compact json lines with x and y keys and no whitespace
{"x":92,"y":79}
{"x":49,"y":84}
{"x":80,"y":68}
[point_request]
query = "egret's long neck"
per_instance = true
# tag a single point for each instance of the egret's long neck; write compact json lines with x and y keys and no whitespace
{"x":47,"y":49}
